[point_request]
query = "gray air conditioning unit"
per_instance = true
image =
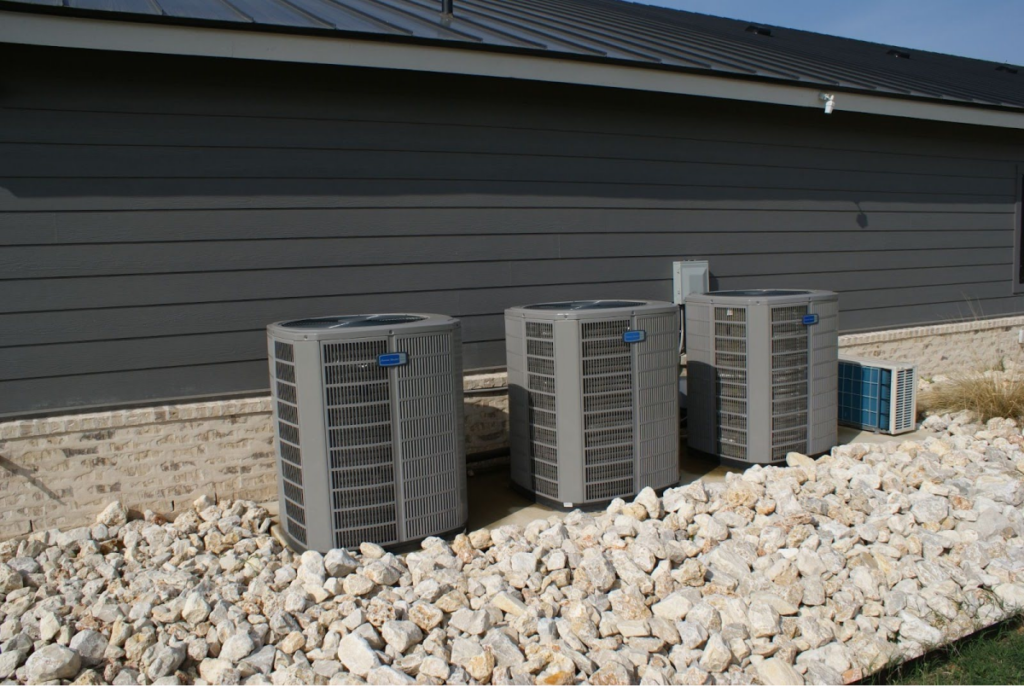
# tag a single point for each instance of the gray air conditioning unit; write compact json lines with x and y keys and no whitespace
{"x":368,"y":421}
{"x":593,"y":399}
{"x":762,"y":373}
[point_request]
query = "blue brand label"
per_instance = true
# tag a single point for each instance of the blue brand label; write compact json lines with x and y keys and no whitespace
{"x":634,"y":336}
{"x":810,"y":319}
{"x":392,"y":359}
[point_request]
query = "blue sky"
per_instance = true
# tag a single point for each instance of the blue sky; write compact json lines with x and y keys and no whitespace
{"x":986,"y":29}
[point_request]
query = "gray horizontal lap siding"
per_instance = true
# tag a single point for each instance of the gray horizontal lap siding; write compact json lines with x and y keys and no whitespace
{"x":156,"y":215}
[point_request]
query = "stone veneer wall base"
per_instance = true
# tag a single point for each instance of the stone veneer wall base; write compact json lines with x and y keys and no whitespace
{"x":61,"y":471}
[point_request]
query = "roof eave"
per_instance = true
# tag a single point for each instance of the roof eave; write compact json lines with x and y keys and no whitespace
{"x":39,"y":29}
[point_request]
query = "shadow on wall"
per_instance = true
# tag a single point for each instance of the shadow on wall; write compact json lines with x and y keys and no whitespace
{"x":29,"y":475}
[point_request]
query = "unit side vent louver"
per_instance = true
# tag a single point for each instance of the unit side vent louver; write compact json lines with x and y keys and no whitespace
{"x":360,"y":443}
{"x":877,"y":395}
{"x":608,"y":426}
{"x":285,"y":401}
{"x":790,"y":393}
{"x":543,"y":446}
{"x":378,"y":402}
{"x":430,"y":478}
{"x":759,"y":379}
{"x":731,"y":371}
{"x":593,"y":398}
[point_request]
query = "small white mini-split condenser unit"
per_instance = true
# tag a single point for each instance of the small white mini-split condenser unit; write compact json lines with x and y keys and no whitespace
{"x":761,"y":369}
{"x":593,"y":399}
{"x":368,"y":421}
{"x":877,"y":395}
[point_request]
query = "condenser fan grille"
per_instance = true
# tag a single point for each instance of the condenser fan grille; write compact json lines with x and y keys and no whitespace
{"x":574,"y":305}
{"x":352,"y":322}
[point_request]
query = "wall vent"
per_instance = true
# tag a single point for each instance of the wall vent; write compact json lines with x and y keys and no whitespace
{"x":377,"y":401}
{"x":593,"y":398}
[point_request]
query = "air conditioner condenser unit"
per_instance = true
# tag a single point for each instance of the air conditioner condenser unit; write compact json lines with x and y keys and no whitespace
{"x":593,"y":399}
{"x":369,"y":429}
{"x":877,"y":395}
{"x":761,"y":373}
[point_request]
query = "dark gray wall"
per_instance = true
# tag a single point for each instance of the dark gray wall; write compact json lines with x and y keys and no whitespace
{"x":156,"y":213}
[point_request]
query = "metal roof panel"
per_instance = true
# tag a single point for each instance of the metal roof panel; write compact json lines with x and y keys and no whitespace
{"x":201,"y":9}
{"x":604,"y":30}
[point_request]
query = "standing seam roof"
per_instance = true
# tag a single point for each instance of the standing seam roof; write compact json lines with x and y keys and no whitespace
{"x":604,"y":30}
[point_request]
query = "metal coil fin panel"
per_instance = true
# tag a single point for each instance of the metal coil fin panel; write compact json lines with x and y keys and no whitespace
{"x":607,"y":363}
{"x":789,"y":353}
{"x":359,"y":435}
{"x":290,"y":454}
{"x":430,"y":451}
{"x":657,"y":397}
{"x":730,"y":349}
{"x":542,"y":426}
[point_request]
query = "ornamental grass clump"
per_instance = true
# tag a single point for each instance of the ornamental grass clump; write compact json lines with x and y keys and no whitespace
{"x":984,"y":394}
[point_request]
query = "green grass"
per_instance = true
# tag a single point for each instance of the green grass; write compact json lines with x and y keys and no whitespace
{"x":991,"y":656}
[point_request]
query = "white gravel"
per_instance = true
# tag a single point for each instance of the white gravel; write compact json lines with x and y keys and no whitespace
{"x":820,"y":572}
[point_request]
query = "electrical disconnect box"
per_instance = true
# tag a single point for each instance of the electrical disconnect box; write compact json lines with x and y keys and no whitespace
{"x":689,"y":277}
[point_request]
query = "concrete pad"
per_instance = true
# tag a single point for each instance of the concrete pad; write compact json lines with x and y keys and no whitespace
{"x":848,"y":435}
{"x":494,"y":503}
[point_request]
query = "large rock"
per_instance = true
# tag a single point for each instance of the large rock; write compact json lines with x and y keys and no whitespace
{"x":474,"y":658}
{"x":1003,"y":489}
{"x":612,"y":674}
{"x":311,"y":568}
{"x":387,"y":676}
{"x":237,"y":647}
{"x":401,"y":635}
{"x":598,"y":570}
{"x":506,"y":603}
{"x":114,"y":514}
{"x":930,"y":510}
{"x":383,"y":574}
{"x":163,"y":660}
{"x":765,"y":622}
{"x":357,"y":655}
{"x":219,"y":672}
{"x":52,"y":662}
{"x":672,"y":608}
{"x":10,"y":660}
{"x":506,"y":652}
{"x":1011,"y":595}
{"x":90,"y":646}
{"x":339,"y":563}
{"x":10,"y":580}
{"x":195,"y":610}
{"x":775,"y":672}
{"x":915,"y":629}
{"x":716,"y":657}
